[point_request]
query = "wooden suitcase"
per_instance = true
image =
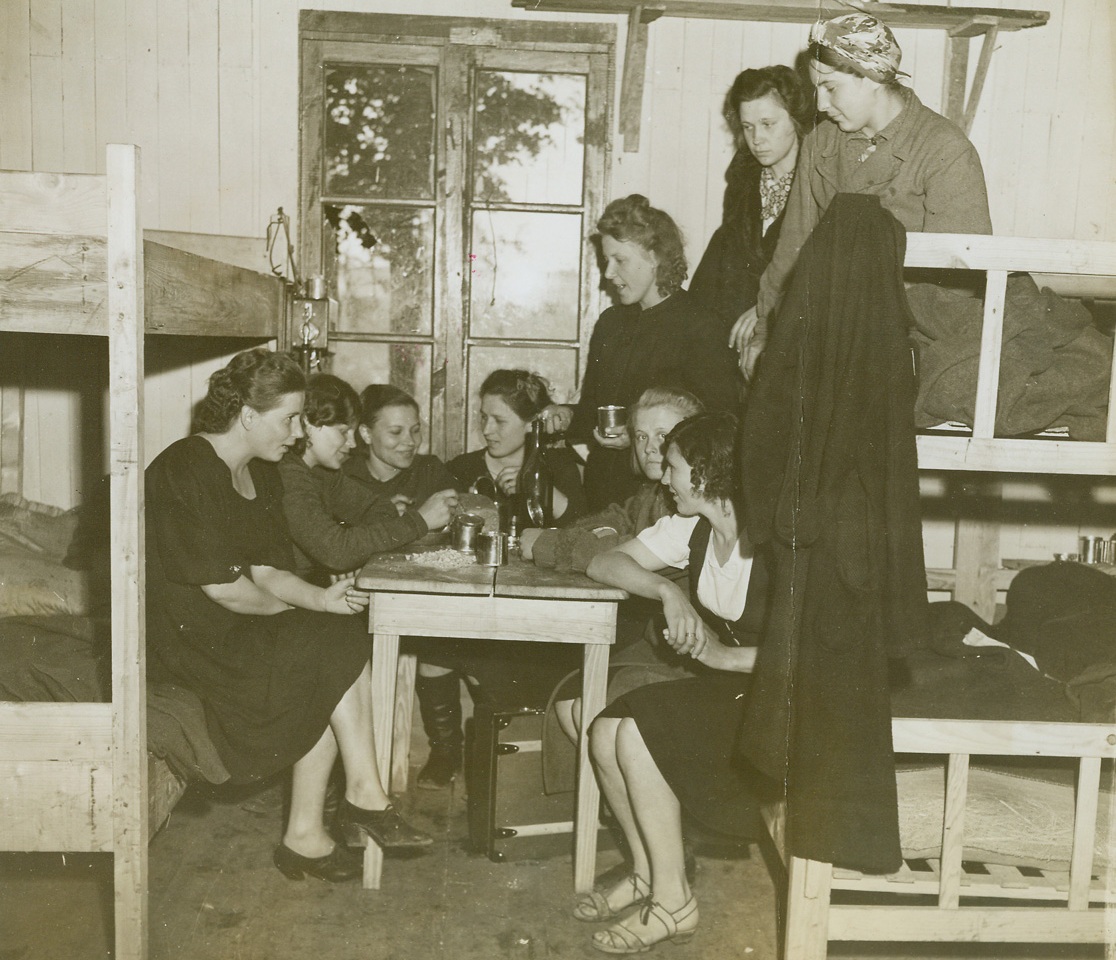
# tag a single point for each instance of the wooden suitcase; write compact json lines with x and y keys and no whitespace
{"x":510,"y":817}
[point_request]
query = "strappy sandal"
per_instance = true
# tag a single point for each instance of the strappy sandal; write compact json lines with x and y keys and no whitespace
{"x":621,"y":939}
{"x":593,"y":907}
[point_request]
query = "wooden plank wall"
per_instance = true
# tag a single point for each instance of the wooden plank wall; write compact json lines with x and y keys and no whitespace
{"x":209,"y":90}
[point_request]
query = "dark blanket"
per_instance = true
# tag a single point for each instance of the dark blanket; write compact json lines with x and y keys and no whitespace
{"x":1054,"y":371}
{"x":69,"y":659}
{"x":830,"y":482}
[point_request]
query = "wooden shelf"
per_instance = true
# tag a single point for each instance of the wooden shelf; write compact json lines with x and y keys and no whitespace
{"x":902,"y":15}
{"x":961,"y":24}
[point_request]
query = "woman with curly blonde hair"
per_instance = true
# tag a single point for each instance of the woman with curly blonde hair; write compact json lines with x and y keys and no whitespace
{"x":655,"y":335}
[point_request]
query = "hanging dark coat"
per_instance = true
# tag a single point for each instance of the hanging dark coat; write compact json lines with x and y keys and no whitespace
{"x":830,"y":482}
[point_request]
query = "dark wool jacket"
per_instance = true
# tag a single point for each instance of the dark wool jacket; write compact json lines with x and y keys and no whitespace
{"x":727,"y":279}
{"x":424,"y":477}
{"x":830,"y":482}
{"x":337,"y":523}
{"x":677,"y":343}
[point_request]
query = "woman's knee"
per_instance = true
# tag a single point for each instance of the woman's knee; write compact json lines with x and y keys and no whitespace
{"x":602,"y":738}
{"x":568,"y":713}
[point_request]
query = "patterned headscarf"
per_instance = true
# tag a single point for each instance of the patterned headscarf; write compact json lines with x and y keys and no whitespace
{"x":867,"y":44}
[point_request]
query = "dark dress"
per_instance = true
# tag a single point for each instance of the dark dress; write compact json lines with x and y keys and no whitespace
{"x":470,"y":467}
{"x":268,"y":683}
{"x":690,"y":726}
{"x":727,"y":278}
{"x":677,"y":343}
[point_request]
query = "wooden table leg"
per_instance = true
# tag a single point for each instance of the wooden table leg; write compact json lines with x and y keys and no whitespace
{"x":594,"y":681}
{"x":385,"y":660}
{"x":404,"y":708}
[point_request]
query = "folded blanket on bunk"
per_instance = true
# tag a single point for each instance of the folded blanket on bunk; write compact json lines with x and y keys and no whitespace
{"x":1054,"y":369}
{"x":68,"y":659}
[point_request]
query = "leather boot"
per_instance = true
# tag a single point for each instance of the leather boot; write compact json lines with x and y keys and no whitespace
{"x":440,"y":707}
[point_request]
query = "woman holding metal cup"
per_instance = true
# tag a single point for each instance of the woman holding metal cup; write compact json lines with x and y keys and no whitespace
{"x":654,"y":335}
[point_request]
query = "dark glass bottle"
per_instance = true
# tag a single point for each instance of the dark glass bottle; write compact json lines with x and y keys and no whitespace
{"x":534,"y":488}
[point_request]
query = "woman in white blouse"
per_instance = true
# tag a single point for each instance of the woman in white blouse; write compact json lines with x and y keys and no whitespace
{"x":669,"y":747}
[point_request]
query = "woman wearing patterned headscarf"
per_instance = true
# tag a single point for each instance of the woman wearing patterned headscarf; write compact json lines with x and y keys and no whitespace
{"x":876,"y":138}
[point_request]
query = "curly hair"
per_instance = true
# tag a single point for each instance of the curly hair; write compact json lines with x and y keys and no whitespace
{"x":707,"y":442}
{"x":255,"y":378}
{"x":633,"y":219}
{"x":329,"y":400}
{"x":525,"y":392}
{"x":781,"y":82}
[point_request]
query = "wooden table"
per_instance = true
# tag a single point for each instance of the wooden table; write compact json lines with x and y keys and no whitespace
{"x":518,"y":601}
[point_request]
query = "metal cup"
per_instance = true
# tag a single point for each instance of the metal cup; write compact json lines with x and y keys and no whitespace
{"x":1105,"y":551}
{"x":315,"y":287}
{"x":611,"y":420}
{"x":464,"y":530}
{"x":492,"y":549}
{"x":1089,"y":549}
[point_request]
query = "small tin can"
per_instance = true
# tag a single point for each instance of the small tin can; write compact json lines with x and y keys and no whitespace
{"x":1105,"y":551}
{"x":464,"y":530}
{"x":492,"y":549}
{"x":1089,"y":549}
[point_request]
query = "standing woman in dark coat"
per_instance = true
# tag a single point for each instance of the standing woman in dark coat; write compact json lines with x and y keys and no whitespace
{"x":280,"y":665}
{"x":768,"y":111}
{"x":656,"y":335}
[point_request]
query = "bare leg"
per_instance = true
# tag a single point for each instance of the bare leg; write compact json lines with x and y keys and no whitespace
{"x":657,"y":813}
{"x":603,"y":751}
{"x":568,"y":713}
{"x":659,"y":818}
{"x":351,"y":723}
{"x":305,"y":833}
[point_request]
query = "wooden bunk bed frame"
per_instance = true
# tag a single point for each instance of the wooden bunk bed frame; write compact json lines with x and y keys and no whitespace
{"x":74,"y":776}
{"x":1052,"y":906}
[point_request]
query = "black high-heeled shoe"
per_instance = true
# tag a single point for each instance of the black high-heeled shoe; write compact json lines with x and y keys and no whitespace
{"x":337,"y":866}
{"x":385,"y":827}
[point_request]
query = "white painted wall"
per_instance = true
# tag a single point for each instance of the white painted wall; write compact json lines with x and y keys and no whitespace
{"x":209,"y":90}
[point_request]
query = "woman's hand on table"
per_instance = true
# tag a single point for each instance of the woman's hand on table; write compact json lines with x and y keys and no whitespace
{"x":438,"y":509}
{"x":527,"y":540}
{"x":556,"y":418}
{"x":342,"y":597}
{"x":619,"y":442}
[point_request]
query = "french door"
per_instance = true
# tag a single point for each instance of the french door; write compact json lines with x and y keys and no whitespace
{"x":451,"y":174}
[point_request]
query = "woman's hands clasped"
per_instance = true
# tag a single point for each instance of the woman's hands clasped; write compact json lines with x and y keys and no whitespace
{"x":342,"y":597}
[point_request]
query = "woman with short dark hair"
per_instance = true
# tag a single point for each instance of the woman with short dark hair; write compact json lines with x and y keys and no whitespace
{"x":768,"y":110}
{"x":336,"y":522}
{"x":668,"y":747}
{"x":280,"y":665}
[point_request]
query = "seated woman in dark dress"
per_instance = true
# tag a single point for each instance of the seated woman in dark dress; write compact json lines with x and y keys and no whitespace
{"x":336,"y":521}
{"x":669,"y":747}
{"x":656,"y":335}
{"x":510,"y":400}
{"x":280,"y":665}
